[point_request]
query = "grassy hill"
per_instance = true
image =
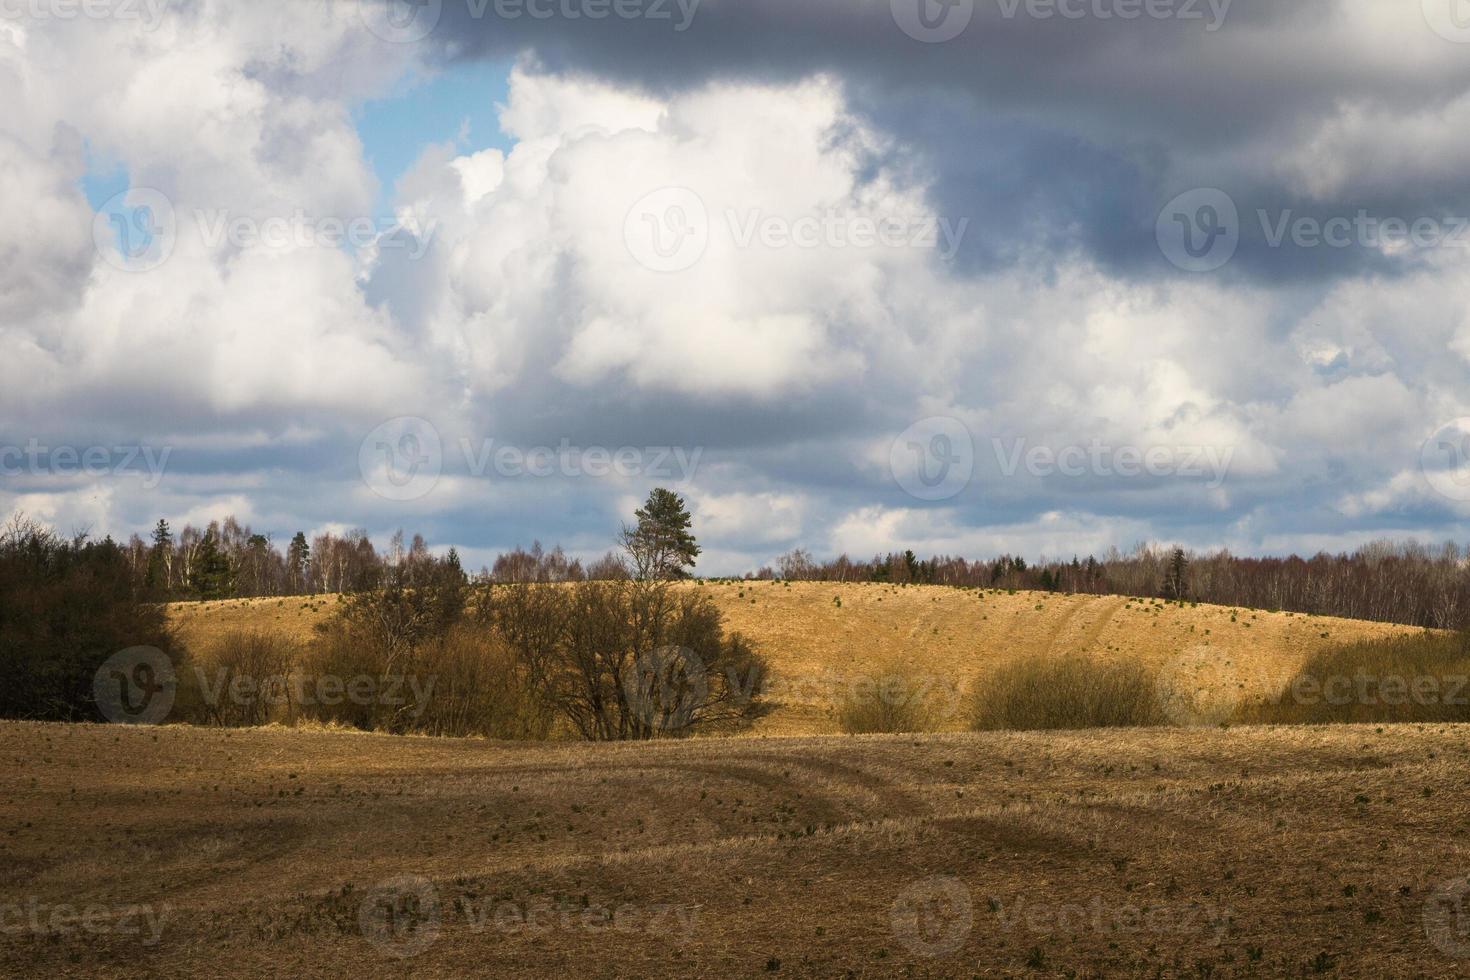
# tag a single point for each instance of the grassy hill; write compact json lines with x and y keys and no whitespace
{"x":823,"y":640}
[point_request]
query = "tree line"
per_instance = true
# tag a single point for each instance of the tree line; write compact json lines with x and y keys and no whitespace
{"x":1400,"y":582}
{"x":620,"y":657}
{"x":519,"y":652}
{"x":66,"y":606}
{"x":227,"y":559}
{"x":1386,"y":581}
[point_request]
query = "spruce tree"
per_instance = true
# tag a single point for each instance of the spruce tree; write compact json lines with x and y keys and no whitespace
{"x":159,"y":578}
{"x":213,"y":577}
{"x":1176,"y":578}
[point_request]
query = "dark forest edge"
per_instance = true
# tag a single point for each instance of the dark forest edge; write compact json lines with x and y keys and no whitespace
{"x":1385,"y":581}
{"x":418,"y":647}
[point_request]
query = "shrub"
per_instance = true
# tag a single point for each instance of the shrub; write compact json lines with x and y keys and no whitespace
{"x":391,"y":670}
{"x":247,"y":682}
{"x":626,"y":659}
{"x":342,"y":650}
{"x":1423,"y":677}
{"x":1069,"y":692}
{"x":898,"y":700}
{"x":473,"y":685}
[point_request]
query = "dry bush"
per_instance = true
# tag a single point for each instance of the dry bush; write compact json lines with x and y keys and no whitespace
{"x":629,"y":660}
{"x":462,"y":682}
{"x":340,"y":651}
{"x":608,"y":660}
{"x":476,"y":686}
{"x":899,"y":699}
{"x":247,"y":681}
{"x":1423,"y":677}
{"x":1069,"y":692}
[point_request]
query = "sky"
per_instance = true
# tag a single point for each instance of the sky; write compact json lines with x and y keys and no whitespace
{"x":962,"y":276}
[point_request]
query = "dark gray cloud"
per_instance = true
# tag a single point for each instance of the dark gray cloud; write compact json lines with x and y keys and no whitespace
{"x":1061,"y":126}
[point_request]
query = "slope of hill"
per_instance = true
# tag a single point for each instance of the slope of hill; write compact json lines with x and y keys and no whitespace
{"x":825,"y":641}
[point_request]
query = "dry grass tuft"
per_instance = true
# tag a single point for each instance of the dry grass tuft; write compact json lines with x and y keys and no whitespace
{"x":1068,"y":692}
{"x":898,"y":700}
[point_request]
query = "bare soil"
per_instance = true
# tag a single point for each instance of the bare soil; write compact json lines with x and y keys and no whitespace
{"x":1179,"y":852}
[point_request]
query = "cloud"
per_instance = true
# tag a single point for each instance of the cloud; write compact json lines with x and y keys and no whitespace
{"x":231,"y":131}
{"x":550,"y":271}
{"x":732,"y":240}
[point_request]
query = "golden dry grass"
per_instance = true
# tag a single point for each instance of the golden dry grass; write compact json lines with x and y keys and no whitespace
{"x":1212,"y":658}
{"x":1157,"y":852}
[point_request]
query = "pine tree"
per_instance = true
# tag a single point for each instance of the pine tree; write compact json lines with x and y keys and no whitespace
{"x":660,"y":544}
{"x":298,"y":555}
